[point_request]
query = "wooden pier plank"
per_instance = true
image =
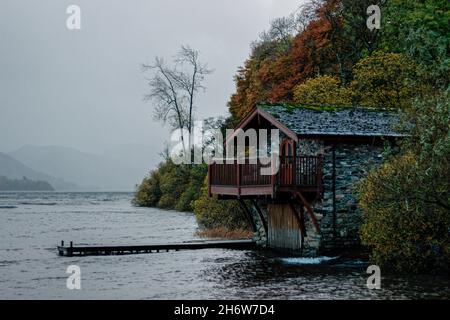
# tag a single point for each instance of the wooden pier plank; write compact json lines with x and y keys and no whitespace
{"x":120,"y":250}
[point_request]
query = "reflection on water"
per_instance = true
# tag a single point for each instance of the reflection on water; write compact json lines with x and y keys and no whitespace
{"x":31,"y":224}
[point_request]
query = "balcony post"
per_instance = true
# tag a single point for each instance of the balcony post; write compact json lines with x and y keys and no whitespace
{"x":274,"y":172}
{"x":209,"y":178}
{"x":238,"y":178}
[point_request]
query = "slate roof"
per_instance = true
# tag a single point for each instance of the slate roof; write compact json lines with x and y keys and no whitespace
{"x":337,"y":121}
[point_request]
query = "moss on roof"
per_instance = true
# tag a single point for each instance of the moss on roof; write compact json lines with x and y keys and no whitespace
{"x":289,"y":108}
{"x":334,"y":120}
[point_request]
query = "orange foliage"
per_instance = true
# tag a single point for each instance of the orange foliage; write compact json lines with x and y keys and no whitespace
{"x":274,"y":77}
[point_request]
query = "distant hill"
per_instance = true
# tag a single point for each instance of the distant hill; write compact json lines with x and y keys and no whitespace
{"x":24,"y":184}
{"x":118,"y":169}
{"x":14,"y":169}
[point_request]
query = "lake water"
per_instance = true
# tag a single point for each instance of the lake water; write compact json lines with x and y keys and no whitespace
{"x":32,"y":224}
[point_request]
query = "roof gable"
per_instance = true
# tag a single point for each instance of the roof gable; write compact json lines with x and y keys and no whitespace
{"x":260,"y":112}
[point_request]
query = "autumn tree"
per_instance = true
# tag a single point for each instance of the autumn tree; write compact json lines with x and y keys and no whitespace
{"x":249,"y":90}
{"x":307,"y":58}
{"x":277,"y":64}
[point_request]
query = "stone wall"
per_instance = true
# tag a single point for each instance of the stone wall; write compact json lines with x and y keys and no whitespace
{"x":260,"y":236}
{"x":353,"y":162}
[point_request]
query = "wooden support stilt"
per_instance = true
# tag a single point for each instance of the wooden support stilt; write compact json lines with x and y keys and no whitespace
{"x":301,"y":225}
{"x":309,"y":210}
{"x":302,"y":218}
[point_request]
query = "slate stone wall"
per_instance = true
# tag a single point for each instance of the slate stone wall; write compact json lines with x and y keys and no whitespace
{"x":340,"y":230}
{"x":260,"y":236}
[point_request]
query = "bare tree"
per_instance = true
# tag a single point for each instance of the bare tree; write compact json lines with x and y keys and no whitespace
{"x":305,"y":14}
{"x":277,"y":40}
{"x":165,"y":93}
{"x":174,"y":88}
{"x":190,"y":82}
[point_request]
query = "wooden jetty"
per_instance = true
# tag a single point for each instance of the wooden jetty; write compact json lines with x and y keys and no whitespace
{"x":72,"y":250}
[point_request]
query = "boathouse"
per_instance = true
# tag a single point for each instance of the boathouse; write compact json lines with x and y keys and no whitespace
{"x":307,"y":206}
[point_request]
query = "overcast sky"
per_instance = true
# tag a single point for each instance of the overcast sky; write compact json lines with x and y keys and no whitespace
{"x":84,"y":89}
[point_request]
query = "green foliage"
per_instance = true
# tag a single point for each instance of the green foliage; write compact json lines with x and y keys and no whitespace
{"x":193,"y":188}
{"x":322,"y":90}
{"x":213,"y":213}
{"x":148,"y":192}
{"x":420,"y":29}
{"x":406,"y":202}
{"x":171,"y":186}
{"x":384,"y":80}
{"x":185,"y":188}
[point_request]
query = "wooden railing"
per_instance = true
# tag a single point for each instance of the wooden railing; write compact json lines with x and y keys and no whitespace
{"x":234,"y":174}
{"x":303,"y":171}
{"x":223,"y":174}
{"x":300,"y":171}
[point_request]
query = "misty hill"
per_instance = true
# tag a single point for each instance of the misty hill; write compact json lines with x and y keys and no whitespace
{"x":14,"y":169}
{"x":24,"y":184}
{"x":116,"y":170}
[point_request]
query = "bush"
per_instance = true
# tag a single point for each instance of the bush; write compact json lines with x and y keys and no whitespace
{"x":406,"y":202}
{"x":193,"y":188}
{"x":185,"y":188}
{"x":148,"y":192}
{"x":213,"y":213}
{"x":171,"y":186}
{"x":322,"y":90}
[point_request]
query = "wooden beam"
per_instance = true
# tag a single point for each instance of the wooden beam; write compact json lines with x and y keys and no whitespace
{"x":261,"y":216}
{"x":309,"y":210}
{"x":302,"y":217}
{"x":258,"y":112}
{"x":248,"y":215}
{"x":291,"y":134}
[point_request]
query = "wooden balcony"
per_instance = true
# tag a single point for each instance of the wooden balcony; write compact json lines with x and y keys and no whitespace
{"x":246,"y":179}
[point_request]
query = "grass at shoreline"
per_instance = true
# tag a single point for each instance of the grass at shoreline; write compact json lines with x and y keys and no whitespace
{"x":224,"y":233}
